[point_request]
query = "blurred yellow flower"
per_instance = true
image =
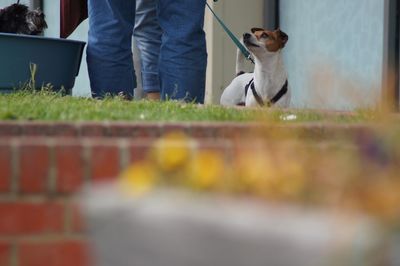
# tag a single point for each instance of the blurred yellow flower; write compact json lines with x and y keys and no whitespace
{"x":172,"y":152}
{"x":292,"y":179}
{"x":138,"y":179}
{"x":206,"y":170}
{"x":256,"y":173}
{"x":284,"y":171}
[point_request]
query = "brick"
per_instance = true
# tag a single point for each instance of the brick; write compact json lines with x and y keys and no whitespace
{"x":175,"y":127}
{"x":224,"y":148}
{"x":65,"y":130}
{"x":70,"y":167}
{"x":122,"y":130}
{"x":34,"y":167}
{"x":234,"y":130}
{"x":203,"y":130}
{"x":249,"y":147}
{"x":5,"y":167}
{"x":139,"y":151}
{"x":78,"y":224}
{"x":31,"y":218}
{"x":148,"y":130}
{"x":93,"y":130}
{"x":36,"y":129}
{"x":105,"y":162}
{"x":5,"y":254}
{"x":63,"y":253}
{"x":10,"y":129}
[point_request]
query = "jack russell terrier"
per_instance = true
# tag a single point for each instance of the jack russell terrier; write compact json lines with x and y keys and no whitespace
{"x":268,"y":85}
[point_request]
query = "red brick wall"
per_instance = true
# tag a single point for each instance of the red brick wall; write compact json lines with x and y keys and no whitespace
{"x":40,"y":223}
{"x":43,"y":165}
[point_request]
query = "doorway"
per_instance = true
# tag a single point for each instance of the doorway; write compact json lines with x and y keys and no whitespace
{"x":391,"y":84}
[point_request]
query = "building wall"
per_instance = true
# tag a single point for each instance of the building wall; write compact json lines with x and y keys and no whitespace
{"x":334,"y":56}
{"x":10,"y":2}
{"x":335,"y":51}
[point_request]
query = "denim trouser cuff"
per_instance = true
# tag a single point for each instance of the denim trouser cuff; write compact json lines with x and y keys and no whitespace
{"x":150,"y":82}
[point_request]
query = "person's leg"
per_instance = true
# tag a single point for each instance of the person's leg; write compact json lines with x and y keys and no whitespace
{"x":183,"y":58}
{"x":109,"y":53}
{"x":147,"y":35}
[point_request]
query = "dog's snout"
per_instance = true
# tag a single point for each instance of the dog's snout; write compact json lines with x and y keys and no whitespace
{"x":246,"y":36}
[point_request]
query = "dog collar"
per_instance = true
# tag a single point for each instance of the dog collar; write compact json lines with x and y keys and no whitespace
{"x":258,"y":98}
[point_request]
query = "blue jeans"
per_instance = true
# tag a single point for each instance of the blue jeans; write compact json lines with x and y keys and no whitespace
{"x":178,"y":62}
{"x":109,"y":53}
{"x":183,"y":58}
{"x":147,"y":34}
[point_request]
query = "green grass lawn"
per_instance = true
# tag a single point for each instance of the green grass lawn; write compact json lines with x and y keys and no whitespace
{"x":47,"y":106}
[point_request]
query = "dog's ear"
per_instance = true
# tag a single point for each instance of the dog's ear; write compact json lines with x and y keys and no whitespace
{"x":283,"y":37}
{"x":253,"y":30}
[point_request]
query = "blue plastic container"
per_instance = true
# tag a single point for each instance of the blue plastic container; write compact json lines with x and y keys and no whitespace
{"x":57,"y":62}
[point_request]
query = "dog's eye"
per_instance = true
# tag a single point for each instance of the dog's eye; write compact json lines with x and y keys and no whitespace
{"x":264,"y":35}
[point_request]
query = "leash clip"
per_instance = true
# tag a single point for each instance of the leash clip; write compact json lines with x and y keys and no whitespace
{"x":249,"y":57}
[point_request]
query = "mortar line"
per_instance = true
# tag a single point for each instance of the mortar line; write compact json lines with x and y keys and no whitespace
{"x":14,"y":258}
{"x":15,"y":167}
{"x":67,"y":217}
{"x":124,"y":154}
{"x":86,"y":157}
{"x":52,"y":172}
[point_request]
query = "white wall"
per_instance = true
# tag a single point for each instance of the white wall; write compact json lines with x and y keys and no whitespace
{"x":335,"y":52}
{"x":82,"y":83}
{"x":5,"y":3}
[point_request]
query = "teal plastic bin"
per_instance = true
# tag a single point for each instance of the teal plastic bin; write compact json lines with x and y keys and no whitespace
{"x":57,"y":62}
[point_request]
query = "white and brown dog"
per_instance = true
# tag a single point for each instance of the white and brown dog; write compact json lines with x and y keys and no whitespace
{"x":268,"y":85}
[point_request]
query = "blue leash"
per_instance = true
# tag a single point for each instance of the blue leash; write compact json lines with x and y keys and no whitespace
{"x":241,"y":47}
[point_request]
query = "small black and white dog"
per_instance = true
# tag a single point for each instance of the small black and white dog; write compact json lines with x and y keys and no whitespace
{"x":18,"y":19}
